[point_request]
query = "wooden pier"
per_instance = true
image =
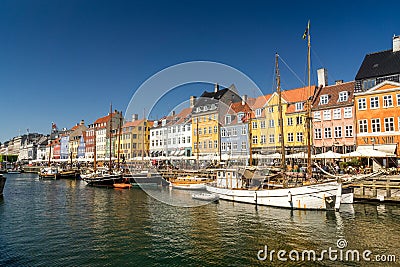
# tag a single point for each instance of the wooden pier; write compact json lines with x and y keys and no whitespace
{"x":382,"y":188}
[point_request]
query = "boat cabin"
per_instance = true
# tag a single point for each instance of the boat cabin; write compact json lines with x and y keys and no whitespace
{"x":229,"y":178}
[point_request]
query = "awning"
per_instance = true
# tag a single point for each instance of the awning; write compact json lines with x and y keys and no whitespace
{"x":389,"y":149}
{"x":181,"y":153}
{"x":328,"y":155}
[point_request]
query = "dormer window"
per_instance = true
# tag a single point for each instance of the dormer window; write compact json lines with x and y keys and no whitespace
{"x":323,"y":100}
{"x":240,"y":116}
{"x":299,"y":106}
{"x":367,"y":84}
{"x":228,"y":119}
{"x":343,"y":96}
{"x":258,"y":112}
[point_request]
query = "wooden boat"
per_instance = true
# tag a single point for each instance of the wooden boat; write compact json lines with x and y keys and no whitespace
{"x":102,"y":177}
{"x":68,"y":174}
{"x":48,"y":173}
{"x":2,"y":183}
{"x":189,"y":183}
{"x":318,"y":196}
{"x":206,"y":197}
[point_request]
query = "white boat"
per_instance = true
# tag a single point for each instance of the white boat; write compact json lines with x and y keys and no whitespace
{"x":316,"y":196}
{"x":347,"y":196}
{"x":206,"y":197}
{"x":48,"y":173}
{"x":189,"y":183}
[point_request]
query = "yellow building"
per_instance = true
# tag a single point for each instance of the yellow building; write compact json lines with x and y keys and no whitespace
{"x":134,"y":139}
{"x":75,"y":135}
{"x":258,"y":125}
{"x":207,"y":111}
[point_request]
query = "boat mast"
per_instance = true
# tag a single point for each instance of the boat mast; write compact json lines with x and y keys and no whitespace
{"x":197,"y":141}
{"x":119,"y":139}
{"x":308,"y":119}
{"x":280,"y":118}
{"x":109,"y":167}
{"x":143,"y":132}
{"x":50,"y":153}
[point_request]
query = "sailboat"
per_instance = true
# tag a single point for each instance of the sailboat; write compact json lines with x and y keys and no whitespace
{"x":280,"y":190}
{"x":103,"y":177}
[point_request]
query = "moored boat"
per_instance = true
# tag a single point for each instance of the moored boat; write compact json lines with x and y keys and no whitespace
{"x":102,"y":178}
{"x":69,"y":174}
{"x":189,"y":183}
{"x":317,"y":196}
{"x":2,"y":183}
{"x":48,"y":173}
{"x":206,"y":197}
{"x":122,"y":186}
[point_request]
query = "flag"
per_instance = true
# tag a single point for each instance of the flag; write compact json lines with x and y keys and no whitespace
{"x":307,"y":30}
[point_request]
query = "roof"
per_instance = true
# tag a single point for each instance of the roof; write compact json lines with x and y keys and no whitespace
{"x":213,"y":97}
{"x":105,"y":118}
{"x":296,"y":96}
{"x":379,"y":64}
{"x":333,"y":92}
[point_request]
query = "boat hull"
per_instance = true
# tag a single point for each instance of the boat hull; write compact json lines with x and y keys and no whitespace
{"x":326,"y":196}
{"x":2,"y":184}
{"x":106,"y":181}
{"x":189,"y":186}
{"x":206,"y":197}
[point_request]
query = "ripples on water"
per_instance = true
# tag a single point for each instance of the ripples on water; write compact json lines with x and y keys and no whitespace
{"x":66,"y":223}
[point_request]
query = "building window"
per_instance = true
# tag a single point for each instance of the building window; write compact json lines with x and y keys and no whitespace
{"x":389,"y":124}
{"x":367,"y":84}
{"x":338,"y":131}
{"x":290,"y":137}
{"x":215,"y":129}
{"x":323,"y":100}
{"x":398,"y":100}
{"x":289,"y":121}
{"x":228,"y":119}
{"x":235,"y":146}
{"x":199,"y":131}
{"x":262,"y":124}
{"x":210,"y":144}
{"x":374,"y":102}
{"x":271,"y":123}
{"x":254,"y":125}
{"x":376,"y":125}
{"x":271,"y":138}
{"x":244,"y":130}
{"x":240,"y":116}
{"x":223,"y":146}
{"x":188,"y":139}
{"x":223,"y":132}
{"x":215,"y":144}
{"x":337,"y":114}
{"x":258,"y":112}
{"x":362,"y":104}
{"x":263,"y":139}
{"x":348,"y":112}
{"x":270,"y":109}
{"x":299,"y":106}
{"x":387,"y":101}
{"x":327,"y":133}
{"x":234,"y":132}
{"x":363,"y":126}
{"x":205,"y":144}
{"x":349,"y":130}
{"x":255,"y":140}
{"x":210,"y":130}
{"x":299,"y":120}
{"x":343,"y":96}
{"x":299,"y":137}
{"x":327,"y":115}
{"x":244,"y":145}
{"x":318,"y":133}
{"x":317,"y":115}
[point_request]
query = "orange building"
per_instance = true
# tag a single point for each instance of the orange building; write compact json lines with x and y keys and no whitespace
{"x":378,"y":117}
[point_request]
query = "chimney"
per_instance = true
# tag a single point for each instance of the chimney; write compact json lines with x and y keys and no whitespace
{"x":82,"y":122}
{"x":396,"y":43}
{"x":134,"y":117}
{"x":322,"y":77}
{"x":192,"y":101}
{"x":216,"y":87}
{"x":338,"y":82}
{"x":244,"y":99}
{"x":173,"y":113}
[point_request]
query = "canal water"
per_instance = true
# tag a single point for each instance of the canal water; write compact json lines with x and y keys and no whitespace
{"x":66,"y":223}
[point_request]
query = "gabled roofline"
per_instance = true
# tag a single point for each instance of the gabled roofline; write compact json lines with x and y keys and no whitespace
{"x":376,"y":87}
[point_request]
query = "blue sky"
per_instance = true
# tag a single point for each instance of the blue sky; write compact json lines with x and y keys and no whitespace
{"x":63,"y":61}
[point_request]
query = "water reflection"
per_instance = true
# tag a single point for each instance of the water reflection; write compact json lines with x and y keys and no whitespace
{"x":50,"y":223}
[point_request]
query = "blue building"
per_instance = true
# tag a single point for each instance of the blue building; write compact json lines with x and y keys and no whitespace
{"x":64,"y":142}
